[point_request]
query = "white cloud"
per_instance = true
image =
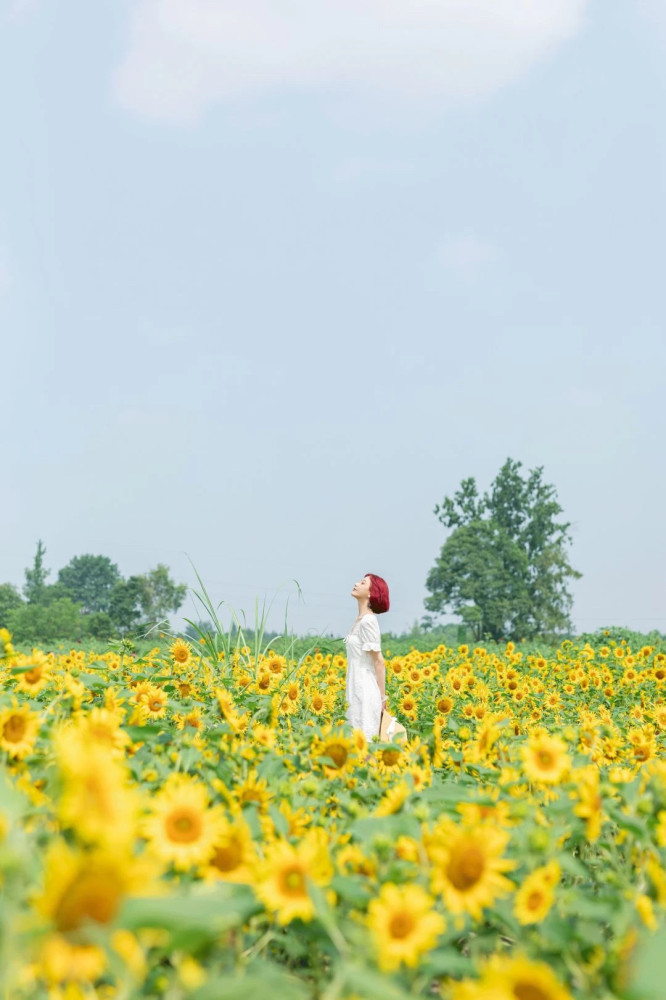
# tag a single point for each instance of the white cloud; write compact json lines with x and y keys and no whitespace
{"x":186,"y":55}
{"x":466,"y":255}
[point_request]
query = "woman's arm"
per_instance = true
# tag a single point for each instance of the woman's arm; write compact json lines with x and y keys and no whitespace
{"x":380,"y":672}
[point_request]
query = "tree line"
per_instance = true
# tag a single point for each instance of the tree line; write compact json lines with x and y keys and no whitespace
{"x":88,"y":599}
{"x":503,"y":570}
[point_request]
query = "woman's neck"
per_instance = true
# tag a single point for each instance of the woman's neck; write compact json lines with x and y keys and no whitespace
{"x":363,"y":606}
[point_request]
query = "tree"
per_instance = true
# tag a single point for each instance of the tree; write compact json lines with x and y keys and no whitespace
{"x":47,"y":622}
{"x":89,"y":581}
{"x":504,"y":567}
{"x":125,"y":603}
{"x":99,"y":625}
{"x":10,"y":600}
{"x":35,"y":578}
{"x":160,"y":595}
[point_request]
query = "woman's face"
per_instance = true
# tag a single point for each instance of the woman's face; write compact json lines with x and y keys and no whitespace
{"x":362,"y":588}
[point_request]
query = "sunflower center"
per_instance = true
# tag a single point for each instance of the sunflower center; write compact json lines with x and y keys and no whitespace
{"x":33,"y":675}
{"x":93,"y":896}
{"x":545,"y":759}
{"x":465,"y":867}
{"x":534,"y":900}
{"x":14,"y":728}
{"x":228,"y":857}
{"x":183,"y":826}
{"x":337,"y":752}
{"x":293,"y":882}
{"x":390,"y":757}
{"x":401,"y":925}
{"x":529,"y":991}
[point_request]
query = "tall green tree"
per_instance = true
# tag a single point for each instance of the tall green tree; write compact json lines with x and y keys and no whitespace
{"x":504,"y":568}
{"x":89,"y":581}
{"x":35,"y":577}
{"x":125,"y":604}
{"x":160,"y":595}
{"x":10,"y":600}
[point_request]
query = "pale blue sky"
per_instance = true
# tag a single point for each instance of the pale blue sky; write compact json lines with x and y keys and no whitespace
{"x":274,"y":277}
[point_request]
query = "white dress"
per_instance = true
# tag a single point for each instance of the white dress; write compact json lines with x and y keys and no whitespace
{"x":364,"y":699}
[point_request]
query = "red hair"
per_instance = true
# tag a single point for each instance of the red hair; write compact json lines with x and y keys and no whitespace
{"x":379,"y":594}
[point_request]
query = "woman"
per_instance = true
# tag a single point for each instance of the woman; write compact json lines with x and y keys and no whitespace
{"x":366,"y":673}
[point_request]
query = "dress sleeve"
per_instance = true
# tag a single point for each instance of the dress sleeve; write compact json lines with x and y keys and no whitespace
{"x":370,"y":635}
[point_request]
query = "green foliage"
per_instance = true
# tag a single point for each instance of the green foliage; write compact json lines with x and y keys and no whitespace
{"x":504,"y":567}
{"x":10,"y":600}
{"x":125,"y":604}
{"x":61,"y":619}
{"x":89,"y":581}
{"x":35,"y":578}
{"x":160,"y":596}
{"x":99,"y":625}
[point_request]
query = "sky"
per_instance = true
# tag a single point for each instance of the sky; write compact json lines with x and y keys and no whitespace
{"x":276,"y":276}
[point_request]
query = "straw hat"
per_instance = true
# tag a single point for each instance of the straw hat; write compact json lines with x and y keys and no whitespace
{"x":390,"y":728}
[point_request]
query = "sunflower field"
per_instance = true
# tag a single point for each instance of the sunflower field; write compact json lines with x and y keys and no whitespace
{"x":201,"y":822}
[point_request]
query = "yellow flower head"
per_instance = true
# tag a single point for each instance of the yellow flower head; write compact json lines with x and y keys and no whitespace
{"x":404,"y":925}
{"x":182,"y":827}
{"x":283,"y":878}
{"x":545,"y":758}
{"x":18,"y":730}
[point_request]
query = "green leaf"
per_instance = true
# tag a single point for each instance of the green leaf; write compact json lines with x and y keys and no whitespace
{"x":193,"y":919}
{"x":263,"y":982}
{"x":447,"y":962}
{"x":372,"y":985}
{"x":648,"y":968}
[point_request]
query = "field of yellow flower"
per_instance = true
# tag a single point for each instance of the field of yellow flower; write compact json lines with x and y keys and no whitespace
{"x":204,"y":824}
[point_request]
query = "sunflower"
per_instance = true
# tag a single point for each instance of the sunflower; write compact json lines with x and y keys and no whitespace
{"x":234,"y":856}
{"x":61,"y":961}
{"x":182,"y":827}
{"x":282,"y":880}
{"x":318,"y":702}
{"x":334,"y":751}
{"x":156,"y":702}
{"x":35,"y":678}
{"x":82,"y":886}
{"x":101,"y":727}
{"x":444,"y":704}
{"x":404,"y":925}
{"x":408,"y":706}
{"x":297,"y":819}
{"x":518,"y":978}
{"x":191,"y":720}
{"x":351,"y":858}
{"x":263,"y":735}
{"x":590,"y":803}
{"x":535,"y":896}
{"x":180,"y":652}
{"x":225,"y":700}
{"x":545,"y":758}
{"x":18,"y":730}
{"x":468,"y":865}
{"x":393,"y":800}
{"x":390,"y":760}
{"x":97,"y":800}
{"x":252,"y":789}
